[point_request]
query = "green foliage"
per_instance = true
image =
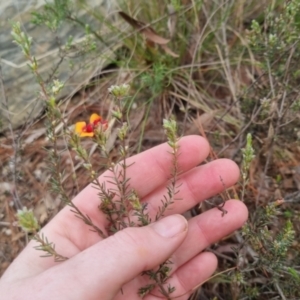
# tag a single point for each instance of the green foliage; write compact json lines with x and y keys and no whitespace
{"x":248,"y":154}
{"x":155,"y":78}
{"x":280,"y":32}
{"x":176,"y":5}
{"x":53,"y":14}
{"x":271,"y":250}
{"x":27,"y":220}
{"x":275,"y":44}
{"x":47,"y":247}
{"x":21,"y":38}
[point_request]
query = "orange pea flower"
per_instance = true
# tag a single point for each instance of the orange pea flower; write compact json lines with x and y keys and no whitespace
{"x":83,"y":129}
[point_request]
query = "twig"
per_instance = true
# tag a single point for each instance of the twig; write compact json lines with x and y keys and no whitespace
{"x":280,"y":291}
{"x":15,"y":142}
{"x":4,"y":224}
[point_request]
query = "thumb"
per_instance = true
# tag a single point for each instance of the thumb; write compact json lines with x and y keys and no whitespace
{"x":109,"y":264}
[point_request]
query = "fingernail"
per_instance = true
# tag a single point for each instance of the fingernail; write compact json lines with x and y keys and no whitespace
{"x":170,"y":226}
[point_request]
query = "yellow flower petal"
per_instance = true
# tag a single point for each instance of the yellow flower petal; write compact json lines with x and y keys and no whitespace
{"x":83,"y":134}
{"x":94,"y":117}
{"x":79,"y":127}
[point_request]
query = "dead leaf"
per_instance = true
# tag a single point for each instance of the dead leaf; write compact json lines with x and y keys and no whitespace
{"x":206,"y":118}
{"x":169,"y":51}
{"x":148,"y":31}
{"x":151,"y":35}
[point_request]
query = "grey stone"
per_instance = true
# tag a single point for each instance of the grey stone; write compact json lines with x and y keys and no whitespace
{"x":20,"y":86}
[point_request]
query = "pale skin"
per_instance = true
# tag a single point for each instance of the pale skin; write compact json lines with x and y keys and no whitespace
{"x":100,"y":268}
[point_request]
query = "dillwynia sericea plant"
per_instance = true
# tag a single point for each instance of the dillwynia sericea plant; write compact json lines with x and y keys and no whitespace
{"x":119,"y":202}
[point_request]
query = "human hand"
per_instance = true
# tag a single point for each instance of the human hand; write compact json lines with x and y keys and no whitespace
{"x":110,"y":268}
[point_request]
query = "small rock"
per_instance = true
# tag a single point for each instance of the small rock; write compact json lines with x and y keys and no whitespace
{"x":5,"y":187}
{"x":8,"y":232}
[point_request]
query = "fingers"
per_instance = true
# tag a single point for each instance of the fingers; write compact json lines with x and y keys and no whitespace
{"x":101,"y":271}
{"x":152,"y":168}
{"x":149,"y":170}
{"x":190,"y":275}
{"x":193,"y":273}
{"x":208,"y":228}
{"x":198,"y":184}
